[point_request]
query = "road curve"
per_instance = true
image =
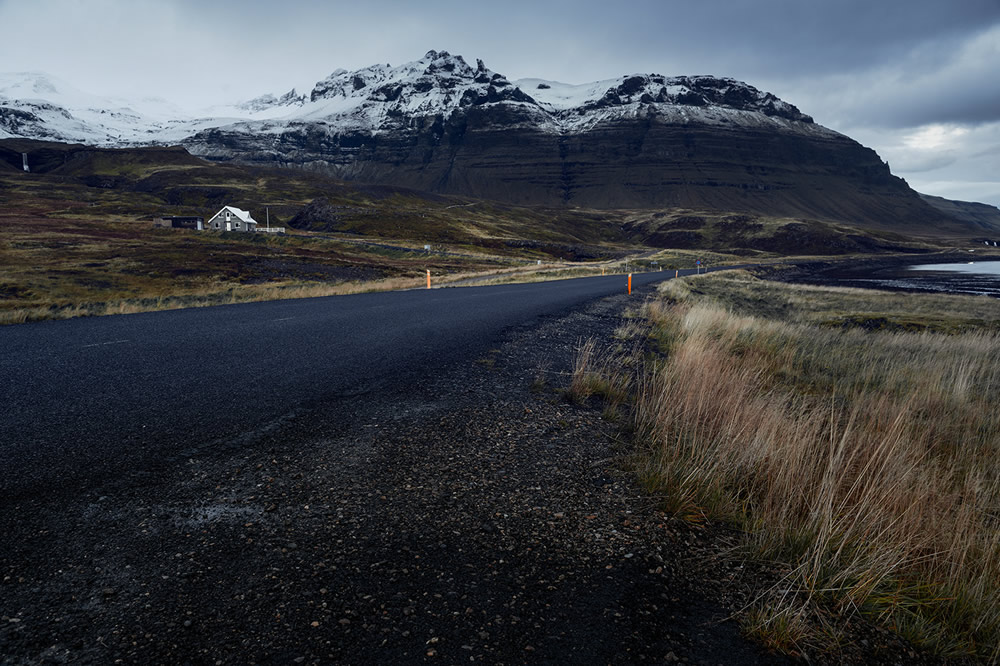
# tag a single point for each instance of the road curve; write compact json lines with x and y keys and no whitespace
{"x":83,"y":397}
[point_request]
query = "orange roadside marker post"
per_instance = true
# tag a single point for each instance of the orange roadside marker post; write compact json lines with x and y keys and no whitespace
{"x":676,"y":273}
{"x":630,"y":283}
{"x":428,"y":279}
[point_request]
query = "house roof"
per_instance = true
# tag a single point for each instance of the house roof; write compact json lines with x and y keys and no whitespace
{"x":238,"y":212}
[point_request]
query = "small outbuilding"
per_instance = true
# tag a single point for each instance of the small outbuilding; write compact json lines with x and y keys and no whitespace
{"x":231,"y":218}
{"x":180,"y":222}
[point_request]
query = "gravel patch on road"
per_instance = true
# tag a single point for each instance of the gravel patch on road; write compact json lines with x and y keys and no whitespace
{"x":475,"y":517}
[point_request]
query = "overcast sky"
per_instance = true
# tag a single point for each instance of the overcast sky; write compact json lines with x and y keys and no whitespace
{"x":917,"y":80}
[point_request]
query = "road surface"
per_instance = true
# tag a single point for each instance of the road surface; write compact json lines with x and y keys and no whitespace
{"x":381,"y":478}
{"x":80,"y":398}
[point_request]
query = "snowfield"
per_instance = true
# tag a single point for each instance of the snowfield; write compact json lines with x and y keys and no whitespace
{"x":382,"y":98}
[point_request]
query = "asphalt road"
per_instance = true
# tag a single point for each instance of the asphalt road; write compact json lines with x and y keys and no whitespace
{"x":81,"y":398}
{"x":383,"y":478}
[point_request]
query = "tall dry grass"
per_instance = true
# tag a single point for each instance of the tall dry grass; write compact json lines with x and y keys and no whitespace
{"x":600,"y":374}
{"x":867,"y":462}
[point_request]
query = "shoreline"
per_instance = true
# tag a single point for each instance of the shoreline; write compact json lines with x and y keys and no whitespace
{"x":886,"y":274}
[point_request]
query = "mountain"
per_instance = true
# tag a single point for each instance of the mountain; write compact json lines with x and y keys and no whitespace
{"x":35,"y":105}
{"x":639,"y":141}
{"x":439,"y":124}
{"x":982,"y":216}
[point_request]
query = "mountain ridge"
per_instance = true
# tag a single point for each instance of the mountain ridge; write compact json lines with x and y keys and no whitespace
{"x":439,"y":73}
{"x":441,"y":125}
{"x":645,"y":141}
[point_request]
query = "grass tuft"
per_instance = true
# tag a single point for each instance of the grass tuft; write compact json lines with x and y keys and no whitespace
{"x":599,"y":375}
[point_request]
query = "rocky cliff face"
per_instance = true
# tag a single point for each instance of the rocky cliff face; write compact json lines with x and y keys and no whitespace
{"x":641,"y":141}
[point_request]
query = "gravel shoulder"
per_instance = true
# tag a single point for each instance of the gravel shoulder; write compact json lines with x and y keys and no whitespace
{"x":477,"y":517}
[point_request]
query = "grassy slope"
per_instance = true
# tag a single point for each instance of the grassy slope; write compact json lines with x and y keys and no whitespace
{"x":148,"y":182}
{"x":752,"y":234}
{"x":982,"y":217}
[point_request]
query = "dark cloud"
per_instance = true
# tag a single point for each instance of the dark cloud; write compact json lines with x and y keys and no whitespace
{"x":945,"y":105}
{"x":744,"y":38}
{"x":795,"y":38}
{"x":958,"y":88}
{"x":580,"y":40}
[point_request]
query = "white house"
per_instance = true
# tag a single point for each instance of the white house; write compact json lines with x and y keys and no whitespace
{"x":231,"y":218}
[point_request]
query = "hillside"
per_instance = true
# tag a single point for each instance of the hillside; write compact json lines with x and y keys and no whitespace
{"x":978,"y":215}
{"x":147,"y":182}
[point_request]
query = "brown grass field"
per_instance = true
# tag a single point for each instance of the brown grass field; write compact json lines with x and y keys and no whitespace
{"x":62,"y":266}
{"x":59,"y":262}
{"x":862,"y":462}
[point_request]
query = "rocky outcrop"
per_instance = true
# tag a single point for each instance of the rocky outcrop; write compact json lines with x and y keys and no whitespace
{"x":696,"y":91}
{"x":318,"y":214}
{"x":267,"y":102}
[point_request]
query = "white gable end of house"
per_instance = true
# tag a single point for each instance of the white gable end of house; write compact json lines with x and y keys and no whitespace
{"x":231,"y":218}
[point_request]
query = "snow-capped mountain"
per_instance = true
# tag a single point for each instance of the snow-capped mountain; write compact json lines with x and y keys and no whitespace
{"x":374,"y":99}
{"x":38,"y":106}
{"x":441,"y":124}
{"x":706,"y":99}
